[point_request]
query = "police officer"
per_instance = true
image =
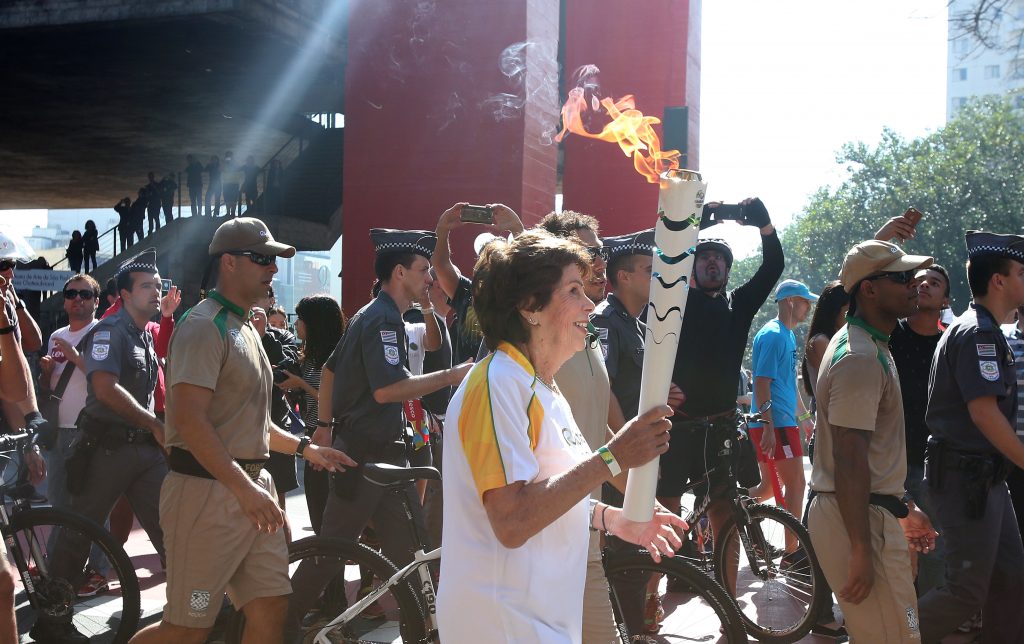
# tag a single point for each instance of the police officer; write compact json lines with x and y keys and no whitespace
{"x":621,"y":334}
{"x":972,"y":401}
{"x":370,"y":382}
{"x":118,"y":450}
{"x":218,"y":505}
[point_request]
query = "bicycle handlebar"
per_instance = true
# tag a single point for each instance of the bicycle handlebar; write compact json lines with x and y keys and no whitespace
{"x":15,"y":442}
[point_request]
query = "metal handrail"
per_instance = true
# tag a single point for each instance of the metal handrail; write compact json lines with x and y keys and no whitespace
{"x":112,"y":229}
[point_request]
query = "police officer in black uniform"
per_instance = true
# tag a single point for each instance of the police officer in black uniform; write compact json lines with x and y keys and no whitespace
{"x":118,"y":450}
{"x":371,"y":380}
{"x":972,"y":404}
{"x":621,"y":333}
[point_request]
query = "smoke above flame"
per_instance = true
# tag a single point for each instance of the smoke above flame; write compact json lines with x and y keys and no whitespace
{"x":629,"y":127}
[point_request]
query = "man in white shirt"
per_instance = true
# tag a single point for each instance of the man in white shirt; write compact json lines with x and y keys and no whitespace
{"x":81,"y":297}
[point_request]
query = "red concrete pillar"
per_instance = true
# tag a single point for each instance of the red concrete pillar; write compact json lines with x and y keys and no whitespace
{"x":435,"y":114}
{"x":651,"y":50}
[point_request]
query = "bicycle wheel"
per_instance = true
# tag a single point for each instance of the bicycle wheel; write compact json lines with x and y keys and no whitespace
{"x":778,"y":598}
{"x":52,"y":546}
{"x":696,"y":609}
{"x":394,"y":617}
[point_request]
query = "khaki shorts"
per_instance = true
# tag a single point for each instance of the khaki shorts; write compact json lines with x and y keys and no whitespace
{"x":212,"y":547}
{"x":889,"y":612}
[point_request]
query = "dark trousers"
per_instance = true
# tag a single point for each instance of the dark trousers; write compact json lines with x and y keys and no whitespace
{"x":984,"y":566}
{"x":89,"y":258}
{"x":316,"y":485}
{"x":154,"y":219}
{"x":345,"y":519}
{"x":136,"y":470}
{"x":136,"y":228}
{"x":168,"y":213}
{"x":213,"y":197}
{"x":195,"y":198}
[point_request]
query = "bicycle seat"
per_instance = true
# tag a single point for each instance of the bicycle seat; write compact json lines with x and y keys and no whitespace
{"x":386,"y":475}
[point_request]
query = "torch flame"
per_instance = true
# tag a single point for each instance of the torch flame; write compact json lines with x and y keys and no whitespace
{"x":629,"y":128}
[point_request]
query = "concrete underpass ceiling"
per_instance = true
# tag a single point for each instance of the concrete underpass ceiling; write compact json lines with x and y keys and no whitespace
{"x":88,"y":110}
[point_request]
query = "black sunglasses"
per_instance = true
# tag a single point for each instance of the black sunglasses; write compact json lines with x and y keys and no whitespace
{"x":257,"y":258}
{"x":902,"y":277}
{"x":7,"y":264}
{"x":85,"y":294}
{"x":601,"y":252}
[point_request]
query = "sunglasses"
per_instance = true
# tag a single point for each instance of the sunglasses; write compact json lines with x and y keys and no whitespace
{"x":85,"y":294}
{"x":601,"y":252}
{"x":7,"y":264}
{"x":903,"y":277}
{"x":257,"y":258}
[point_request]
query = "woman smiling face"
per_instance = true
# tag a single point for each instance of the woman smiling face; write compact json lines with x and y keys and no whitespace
{"x":561,"y":326}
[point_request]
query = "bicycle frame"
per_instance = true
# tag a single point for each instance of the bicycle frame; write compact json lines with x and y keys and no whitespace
{"x":420,"y":562}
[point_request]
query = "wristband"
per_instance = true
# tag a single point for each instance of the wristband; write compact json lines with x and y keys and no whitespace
{"x":324,"y":423}
{"x":303,"y":444}
{"x":8,"y":329}
{"x":609,"y":460}
{"x":604,"y":526}
{"x":593,"y":509}
{"x":804,"y":416}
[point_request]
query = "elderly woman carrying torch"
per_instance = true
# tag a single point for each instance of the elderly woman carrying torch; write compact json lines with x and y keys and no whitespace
{"x":517,"y":470}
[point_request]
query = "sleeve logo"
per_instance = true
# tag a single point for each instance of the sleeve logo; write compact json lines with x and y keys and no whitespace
{"x":987,"y":350}
{"x":389,"y":336}
{"x":100,"y":336}
{"x":391,"y":354}
{"x":100,"y":351}
{"x":989,"y":370}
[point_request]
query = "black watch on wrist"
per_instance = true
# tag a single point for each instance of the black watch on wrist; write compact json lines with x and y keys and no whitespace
{"x":303,"y":444}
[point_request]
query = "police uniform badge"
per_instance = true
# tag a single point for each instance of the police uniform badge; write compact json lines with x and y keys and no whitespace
{"x":989,"y":370}
{"x":391,"y":354}
{"x":100,"y":351}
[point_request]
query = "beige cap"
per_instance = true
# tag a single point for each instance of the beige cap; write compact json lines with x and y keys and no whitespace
{"x":873,"y":257}
{"x":247,"y":234}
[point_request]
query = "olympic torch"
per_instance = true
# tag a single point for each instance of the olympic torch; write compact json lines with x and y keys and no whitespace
{"x":680,"y":206}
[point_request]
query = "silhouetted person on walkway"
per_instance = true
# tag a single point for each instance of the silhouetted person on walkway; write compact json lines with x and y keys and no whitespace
{"x":153,"y":203}
{"x":137,"y":217}
{"x":273,"y":189}
{"x":74,"y":252}
{"x":123,"y":209}
{"x":167,"y":189}
{"x":194,"y":181}
{"x":213,"y":190}
{"x":90,"y":246}
{"x":229,"y":172}
{"x":250,"y":172}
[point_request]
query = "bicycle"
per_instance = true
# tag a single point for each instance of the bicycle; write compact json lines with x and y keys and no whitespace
{"x":779,"y":594}
{"x":46,"y":580}
{"x":401,"y":606}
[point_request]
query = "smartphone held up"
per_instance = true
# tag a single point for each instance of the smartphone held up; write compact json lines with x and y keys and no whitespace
{"x":477,"y":214}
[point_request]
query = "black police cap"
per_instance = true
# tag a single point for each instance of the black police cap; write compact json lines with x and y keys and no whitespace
{"x":386,"y":240}
{"x":983,"y":244}
{"x":638,"y":243}
{"x":144,"y":262}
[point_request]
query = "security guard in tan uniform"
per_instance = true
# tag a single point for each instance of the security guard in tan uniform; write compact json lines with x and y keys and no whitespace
{"x":218,"y":505}
{"x":972,"y":407}
{"x":859,"y":521}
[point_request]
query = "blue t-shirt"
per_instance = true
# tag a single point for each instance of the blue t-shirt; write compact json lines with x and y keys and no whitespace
{"x":774,"y":357}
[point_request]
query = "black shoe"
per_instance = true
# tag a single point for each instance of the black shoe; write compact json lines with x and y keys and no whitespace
{"x":837,"y":633}
{"x":47,"y":632}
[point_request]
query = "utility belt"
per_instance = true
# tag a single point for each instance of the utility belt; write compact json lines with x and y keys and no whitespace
{"x":362,"y":449}
{"x":980,"y":471}
{"x":726,"y":420}
{"x":891,"y":504}
{"x":111,"y":436}
{"x":183,"y":462}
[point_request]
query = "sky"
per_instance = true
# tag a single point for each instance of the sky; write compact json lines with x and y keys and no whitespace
{"x":785,"y":84}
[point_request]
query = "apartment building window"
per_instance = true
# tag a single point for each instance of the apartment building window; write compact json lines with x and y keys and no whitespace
{"x":960,"y":46}
{"x":1017,"y":69}
{"x":957,"y":102}
{"x":959,"y":73}
{"x":991,"y":71}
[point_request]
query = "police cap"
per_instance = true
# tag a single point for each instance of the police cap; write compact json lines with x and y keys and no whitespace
{"x":144,"y":262}
{"x":982,"y":244}
{"x":386,"y":240}
{"x":638,"y":243}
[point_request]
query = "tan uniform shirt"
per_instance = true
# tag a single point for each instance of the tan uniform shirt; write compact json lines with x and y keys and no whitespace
{"x":583,"y":380}
{"x":858,"y":387}
{"x":215,"y":346}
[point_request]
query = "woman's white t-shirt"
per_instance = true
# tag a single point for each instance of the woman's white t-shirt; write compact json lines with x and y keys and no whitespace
{"x":505,"y":426}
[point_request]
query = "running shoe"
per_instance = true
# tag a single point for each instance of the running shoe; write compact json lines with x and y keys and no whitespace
{"x":94,"y":584}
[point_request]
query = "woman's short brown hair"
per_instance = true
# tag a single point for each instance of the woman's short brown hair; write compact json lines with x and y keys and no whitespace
{"x":521,"y":274}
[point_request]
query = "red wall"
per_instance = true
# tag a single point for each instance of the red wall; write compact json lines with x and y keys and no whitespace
{"x":419,"y":132}
{"x":650,"y":49}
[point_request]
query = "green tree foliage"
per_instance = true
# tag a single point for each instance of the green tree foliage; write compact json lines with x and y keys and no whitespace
{"x":967,"y":175}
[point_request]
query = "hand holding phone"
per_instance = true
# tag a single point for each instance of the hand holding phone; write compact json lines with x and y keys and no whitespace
{"x":913,"y":216}
{"x":165,"y":285}
{"x":477,"y":214}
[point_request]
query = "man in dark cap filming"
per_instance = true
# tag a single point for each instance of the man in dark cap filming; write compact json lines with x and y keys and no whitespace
{"x":972,"y":407}
{"x":218,"y":505}
{"x":370,"y":381}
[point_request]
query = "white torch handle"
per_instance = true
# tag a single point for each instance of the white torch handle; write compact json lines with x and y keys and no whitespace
{"x":680,"y":204}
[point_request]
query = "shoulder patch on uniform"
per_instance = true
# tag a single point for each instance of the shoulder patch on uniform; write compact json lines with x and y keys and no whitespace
{"x":389,"y":336}
{"x":100,"y":351}
{"x":989,"y":370}
{"x":602,"y":333}
{"x":391,"y":354}
{"x":987,"y":350}
{"x":101,"y":336}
